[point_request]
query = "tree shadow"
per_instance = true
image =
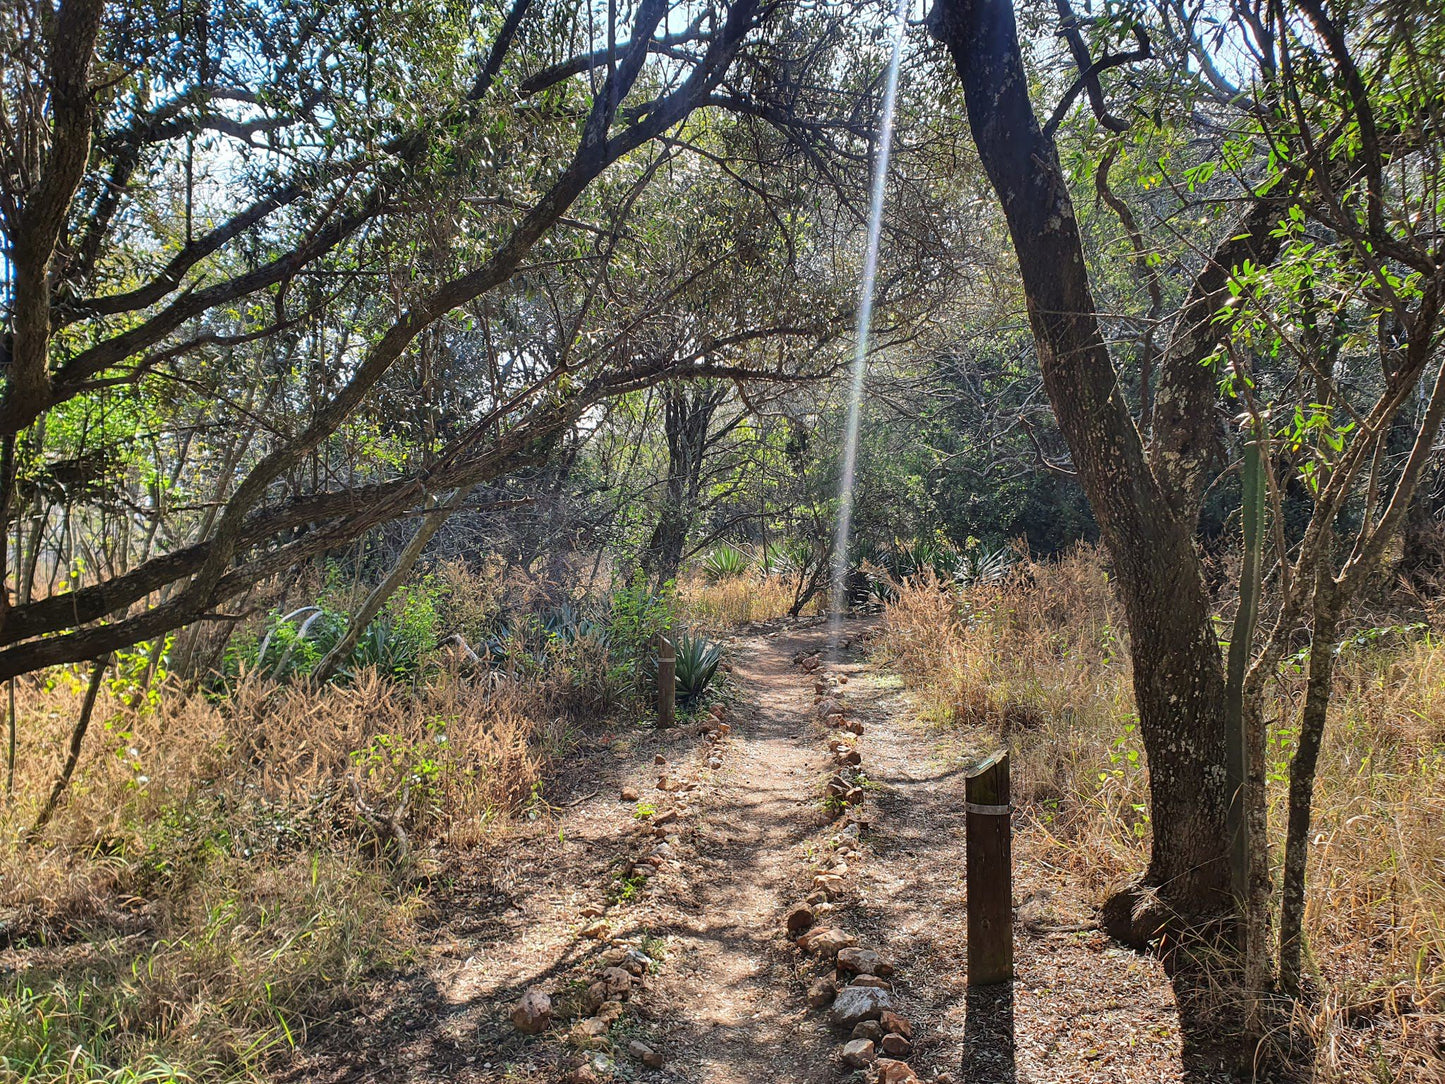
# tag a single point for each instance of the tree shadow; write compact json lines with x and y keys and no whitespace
{"x":988,"y":1035}
{"x":1212,"y":1046}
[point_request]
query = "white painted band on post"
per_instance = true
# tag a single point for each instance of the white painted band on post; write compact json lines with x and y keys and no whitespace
{"x":988,"y":810}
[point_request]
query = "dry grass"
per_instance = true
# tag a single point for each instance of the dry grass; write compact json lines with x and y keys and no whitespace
{"x":223,"y":874}
{"x":1043,"y":660}
{"x":733,"y":601}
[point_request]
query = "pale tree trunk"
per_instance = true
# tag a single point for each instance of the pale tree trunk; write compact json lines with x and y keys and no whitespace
{"x":405,"y":562}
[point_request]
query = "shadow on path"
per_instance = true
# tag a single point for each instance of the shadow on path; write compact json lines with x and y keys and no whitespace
{"x":988,"y":1035}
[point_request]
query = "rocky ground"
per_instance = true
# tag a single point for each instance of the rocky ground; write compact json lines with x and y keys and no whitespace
{"x":775,"y":893}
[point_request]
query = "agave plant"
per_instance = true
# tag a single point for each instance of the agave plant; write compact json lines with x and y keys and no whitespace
{"x":981,"y":567}
{"x":725,"y":560}
{"x":697,"y":663}
{"x":698,"y":660}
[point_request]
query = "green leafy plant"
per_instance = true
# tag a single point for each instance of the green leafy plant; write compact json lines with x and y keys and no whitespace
{"x":725,"y":560}
{"x":698,"y":660}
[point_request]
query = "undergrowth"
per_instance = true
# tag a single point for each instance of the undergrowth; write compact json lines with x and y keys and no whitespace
{"x":222,"y":876}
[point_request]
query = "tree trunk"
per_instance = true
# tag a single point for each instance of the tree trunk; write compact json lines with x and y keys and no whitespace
{"x":343,"y":647}
{"x":1178,"y":670}
{"x":72,"y":755}
{"x":687,"y":417}
{"x":1302,"y":769}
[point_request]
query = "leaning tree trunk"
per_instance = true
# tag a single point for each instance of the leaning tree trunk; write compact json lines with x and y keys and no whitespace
{"x":1302,"y":769}
{"x":430,"y":525}
{"x":1178,"y":670}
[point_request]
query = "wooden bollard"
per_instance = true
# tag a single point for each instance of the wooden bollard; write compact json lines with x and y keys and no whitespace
{"x":989,"y":853}
{"x":666,"y":682}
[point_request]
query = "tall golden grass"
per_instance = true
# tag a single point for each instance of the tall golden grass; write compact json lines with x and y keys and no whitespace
{"x":223,"y":873}
{"x":733,"y":601}
{"x":1042,"y":661}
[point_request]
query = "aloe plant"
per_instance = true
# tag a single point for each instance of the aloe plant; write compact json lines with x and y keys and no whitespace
{"x":698,"y":659}
{"x":724,"y":561}
{"x":697,"y":663}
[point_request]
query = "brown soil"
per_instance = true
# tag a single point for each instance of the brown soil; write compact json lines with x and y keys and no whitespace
{"x":725,"y":1002}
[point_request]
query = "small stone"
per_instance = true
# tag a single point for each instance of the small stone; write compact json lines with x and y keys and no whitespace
{"x":868,"y":1029}
{"x":617,"y":982}
{"x":724,"y":729}
{"x":854,"y":795}
{"x":714,"y":763}
{"x":583,"y":1074}
{"x":799,"y":919}
{"x":944,"y":1078}
{"x":598,"y":931}
{"x":589,"y":1034}
{"x":863,"y":961}
{"x":666,"y":817}
{"x":896,"y":1072}
{"x":828,"y":706}
{"x":825,"y":943}
{"x":636,"y":962}
{"x":870,"y":980}
{"x":858,"y":1053}
{"x":853,"y":726}
{"x":855,"y":1004}
{"x":821,"y":993}
{"x":630,"y":794}
{"x":840,"y":867}
{"x":664,"y":783}
{"x":891,"y":1021}
{"x":658,"y":758}
{"x":842,"y":679}
{"x":849,"y":758}
{"x":896,"y":1046}
{"x":533,"y":1013}
{"x":609,"y":1012}
{"x":837,"y":720}
{"x":645,"y":1054}
{"x":830,"y":884}
{"x":592,"y":910}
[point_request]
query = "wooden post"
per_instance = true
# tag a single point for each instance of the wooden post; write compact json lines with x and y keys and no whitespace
{"x":666,"y":682}
{"x":990,"y":873}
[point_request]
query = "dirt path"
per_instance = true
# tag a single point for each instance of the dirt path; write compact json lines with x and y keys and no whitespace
{"x":730,"y":984}
{"x":701,"y":900}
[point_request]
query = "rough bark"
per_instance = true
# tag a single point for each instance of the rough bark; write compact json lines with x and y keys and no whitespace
{"x":1178,"y":670}
{"x":687,"y":417}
